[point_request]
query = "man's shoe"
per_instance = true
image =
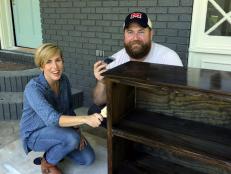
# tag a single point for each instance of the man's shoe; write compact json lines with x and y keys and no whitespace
{"x":49,"y":168}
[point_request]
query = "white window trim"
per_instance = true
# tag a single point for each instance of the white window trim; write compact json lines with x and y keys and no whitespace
{"x":6,"y":26}
{"x":200,"y":42}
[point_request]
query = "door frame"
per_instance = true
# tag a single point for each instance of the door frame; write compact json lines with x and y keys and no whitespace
{"x":6,"y":25}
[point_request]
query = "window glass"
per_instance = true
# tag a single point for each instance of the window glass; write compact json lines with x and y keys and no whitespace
{"x":214,"y":17}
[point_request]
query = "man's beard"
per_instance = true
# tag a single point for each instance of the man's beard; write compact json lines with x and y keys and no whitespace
{"x":137,"y":53}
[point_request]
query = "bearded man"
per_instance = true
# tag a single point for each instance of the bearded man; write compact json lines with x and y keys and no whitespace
{"x":138,"y":46}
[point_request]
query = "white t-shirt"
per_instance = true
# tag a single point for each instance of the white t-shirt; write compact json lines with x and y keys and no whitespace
{"x":158,"y":54}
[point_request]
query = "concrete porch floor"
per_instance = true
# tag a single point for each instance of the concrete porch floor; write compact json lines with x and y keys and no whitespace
{"x":13,"y":160}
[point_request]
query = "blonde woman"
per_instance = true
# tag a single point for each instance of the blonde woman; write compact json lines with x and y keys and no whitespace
{"x":48,"y":122}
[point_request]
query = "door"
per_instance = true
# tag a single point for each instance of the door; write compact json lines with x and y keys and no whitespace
{"x":210,"y":42}
{"x":27,"y":23}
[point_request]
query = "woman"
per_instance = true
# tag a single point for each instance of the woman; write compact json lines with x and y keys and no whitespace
{"x":48,"y":122}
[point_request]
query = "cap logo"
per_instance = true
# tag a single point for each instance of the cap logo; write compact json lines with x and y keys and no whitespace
{"x":136,"y":15}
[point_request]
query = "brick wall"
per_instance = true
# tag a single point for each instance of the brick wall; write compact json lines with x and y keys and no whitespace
{"x":84,"y":26}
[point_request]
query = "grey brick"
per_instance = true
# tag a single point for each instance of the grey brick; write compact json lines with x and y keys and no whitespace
{"x":110,"y":42}
{"x":120,"y":10}
{"x":184,"y":33}
{"x":186,"y":2}
{"x":180,"y":10}
{"x":68,"y":27}
{"x":185,"y":17}
{"x":179,"y":25}
{"x":79,"y":4}
{"x":88,"y":10}
{"x":102,"y":10}
{"x":168,"y":3}
{"x":24,"y":81}
{"x":13,"y":84}
{"x":183,"y":48}
{"x":2,"y":84}
{"x":13,"y":112}
{"x":80,"y":16}
{"x":49,"y":10}
{"x":128,"y":3}
{"x":62,"y":32}
{"x":89,"y":46}
{"x":117,"y":24}
{"x":110,"y":4}
{"x":82,"y":51}
{"x":73,"y":33}
{"x":160,"y":39}
{"x":103,"y":23}
{"x":81,"y":28}
{"x":51,"y":32}
{"x":117,"y":36}
{"x":159,"y":24}
{"x":19,"y":84}
{"x":88,"y":34}
{"x":19,"y":107}
{"x":88,"y":22}
{"x":6,"y":110}
{"x":103,"y":35}
{"x":176,"y":40}
{"x":94,"y":16}
{"x":110,"y":17}
{"x":112,"y":29}
{"x":166,"y":32}
{"x":167,"y":17}
{"x":94,"y":3}
{"x":61,"y":22}
{"x":66,"y":4}
{"x":147,"y":3}
{"x":171,"y":46}
{"x":96,"y":28}
{"x":7,"y":84}
{"x":105,"y":47}
{"x":1,"y":112}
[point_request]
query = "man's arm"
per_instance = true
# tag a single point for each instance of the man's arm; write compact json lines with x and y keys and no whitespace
{"x":99,"y":92}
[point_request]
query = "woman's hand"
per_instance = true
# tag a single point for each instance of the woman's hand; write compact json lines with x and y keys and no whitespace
{"x":99,"y":68}
{"x":94,"y":120}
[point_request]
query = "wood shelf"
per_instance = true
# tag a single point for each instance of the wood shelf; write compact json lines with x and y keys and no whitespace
{"x":147,"y":164}
{"x":178,"y":122}
{"x":206,"y":144}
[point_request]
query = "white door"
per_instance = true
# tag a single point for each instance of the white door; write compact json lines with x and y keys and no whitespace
{"x":27,"y":23}
{"x":210,"y":42}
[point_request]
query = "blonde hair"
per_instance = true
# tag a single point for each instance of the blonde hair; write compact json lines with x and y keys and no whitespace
{"x":45,"y":52}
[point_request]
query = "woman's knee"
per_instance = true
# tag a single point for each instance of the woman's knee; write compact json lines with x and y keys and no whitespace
{"x":89,"y":158}
{"x":71,"y":140}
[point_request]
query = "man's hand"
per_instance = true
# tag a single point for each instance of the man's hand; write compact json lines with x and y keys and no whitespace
{"x":99,"y":68}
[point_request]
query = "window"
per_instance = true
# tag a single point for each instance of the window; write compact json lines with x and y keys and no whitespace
{"x":218,"y":19}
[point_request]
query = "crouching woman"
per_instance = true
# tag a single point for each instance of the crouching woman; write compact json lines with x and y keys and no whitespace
{"x":48,"y":122}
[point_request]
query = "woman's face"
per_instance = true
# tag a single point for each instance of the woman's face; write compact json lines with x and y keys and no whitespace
{"x":53,"y":68}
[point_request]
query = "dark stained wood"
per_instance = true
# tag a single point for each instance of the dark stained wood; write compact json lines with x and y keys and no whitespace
{"x":183,"y":120}
{"x":118,"y":105}
{"x":195,"y":142}
{"x":187,"y":104}
{"x":146,"y":74}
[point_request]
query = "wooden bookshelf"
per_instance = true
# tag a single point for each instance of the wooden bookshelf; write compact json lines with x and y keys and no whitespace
{"x":175,"y":120}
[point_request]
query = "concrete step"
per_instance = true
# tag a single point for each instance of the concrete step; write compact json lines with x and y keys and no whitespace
{"x":11,"y":103}
{"x":15,"y":81}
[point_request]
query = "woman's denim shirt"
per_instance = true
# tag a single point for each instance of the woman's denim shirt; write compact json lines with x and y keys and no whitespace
{"x":42,"y":107}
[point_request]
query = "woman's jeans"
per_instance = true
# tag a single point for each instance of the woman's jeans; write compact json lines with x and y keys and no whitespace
{"x":59,"y":142}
